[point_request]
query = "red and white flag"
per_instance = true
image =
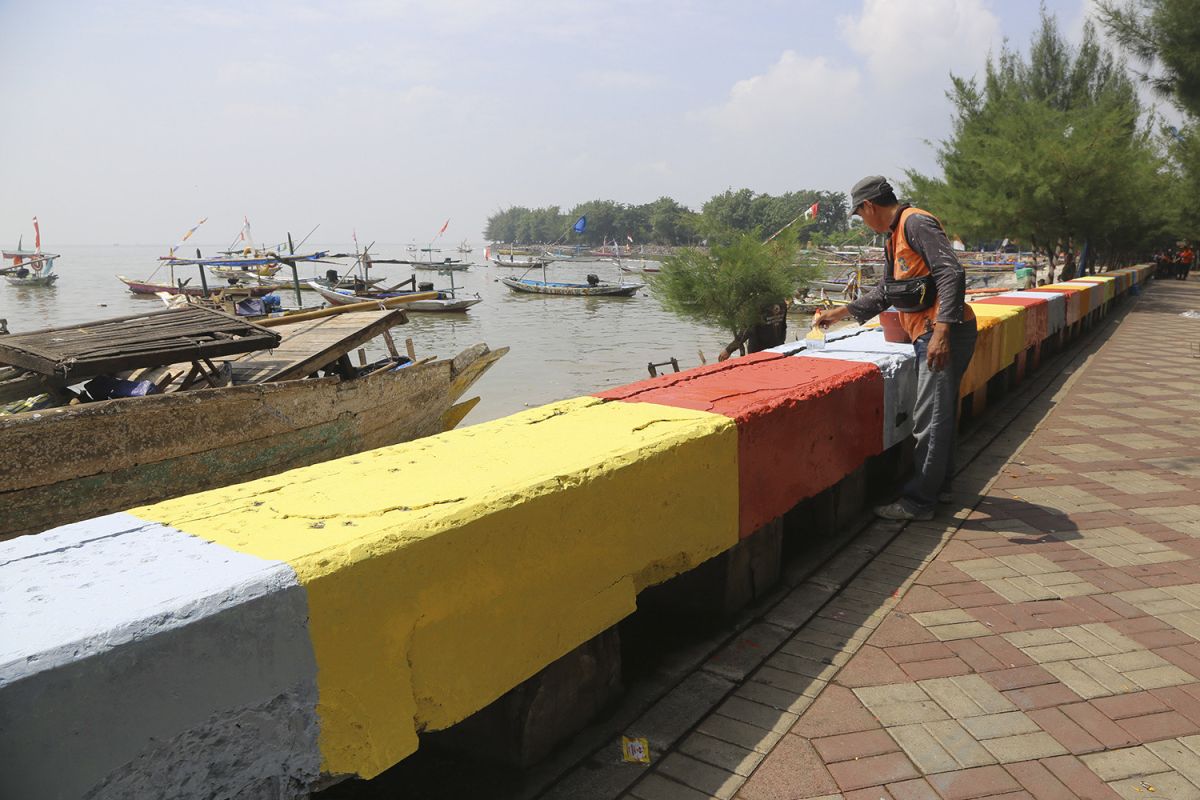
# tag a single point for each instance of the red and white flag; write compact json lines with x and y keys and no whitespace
{"x":445,"y":225}
{"x":811,"y":213}
{"x":37,"y":236}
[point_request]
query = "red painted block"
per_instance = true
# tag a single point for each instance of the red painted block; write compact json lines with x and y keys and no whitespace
{"x":1037,"y":315}
{"x":1077,"y":304}
{"x":803,"y":423}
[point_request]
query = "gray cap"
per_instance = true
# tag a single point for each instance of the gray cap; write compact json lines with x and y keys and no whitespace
{"x":868,"y":188}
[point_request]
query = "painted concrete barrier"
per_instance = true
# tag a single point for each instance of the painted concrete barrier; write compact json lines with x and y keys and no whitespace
{"x":1035,"y":313}
{"x":245,"y":640}
{"x":897,"y":366}
{"x":438,"y":574}
{"x":791,"y":416}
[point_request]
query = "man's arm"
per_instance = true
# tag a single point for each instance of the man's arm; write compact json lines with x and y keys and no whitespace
{"x":928,"y":239}
{"x":733,"y":346}
{"x":869,"y":304}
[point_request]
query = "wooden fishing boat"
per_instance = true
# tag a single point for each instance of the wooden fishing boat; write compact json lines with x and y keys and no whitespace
{"x":261,"y":411}
{"x":445,"y":301}
{"x":150,"y":288}
{"x":639,"y":265}
{"x":598,"y":289}
{"x":29,"y":267}
{"x":531,"y":262}
{"x":445,"y":265}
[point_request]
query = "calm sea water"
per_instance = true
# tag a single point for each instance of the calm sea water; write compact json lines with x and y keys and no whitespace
{"x":561,"y":347}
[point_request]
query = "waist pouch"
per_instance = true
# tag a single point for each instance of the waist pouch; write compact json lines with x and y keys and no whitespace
{"x":914,"y":294}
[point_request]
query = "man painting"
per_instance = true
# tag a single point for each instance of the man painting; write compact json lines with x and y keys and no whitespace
{"x":927,"y":286}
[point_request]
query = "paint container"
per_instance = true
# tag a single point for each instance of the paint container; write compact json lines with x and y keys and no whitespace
{"x":893,"y":331}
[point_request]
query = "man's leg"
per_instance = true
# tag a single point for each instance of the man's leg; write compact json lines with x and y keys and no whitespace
{"x":935,"y":417}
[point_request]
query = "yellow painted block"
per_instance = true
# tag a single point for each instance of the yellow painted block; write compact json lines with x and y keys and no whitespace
{"x":441,"y":573}
{"x":988,"y":347}
{"x":1109,"y":282}
{"x":1012,"y":323}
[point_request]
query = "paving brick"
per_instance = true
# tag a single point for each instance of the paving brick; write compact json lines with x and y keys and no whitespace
{"x":740,"y":733}
{"x":713,"y":781}
{"x":917,"y":789}
{"x":1165,"y":784}
{"x":1083,"y":782}
{"x":1039,"y":781}
{"x":975,"y":656}
{"x":848,"y":746}
{"x":1133,"y":704}
{"x":1024,"y":747}
{"x":938,"y":668}
{"x":872,"y":771}
{"x":870,"y":793}
{"x":1067,"y":731}
{"x":1178,"y":757}
{"x":793,"y":770}
{"x":971,"y":783}
{"x":1052,"y":694}
{"x":903,"y":654}
{"x":869,"y":667}
{"x":1153,"y":727}
{"x":781,"y":699}
{"x":655,"y":787}
{"x":757,"y":714}
{"x":1115,"y":765}
{"x":730,"y":757}
{"x":1018,"y":678}
{"x":836,"y":711}
{"x":1098,"y":725}
{"x":992,"y":726}
{"x":966,"y":696}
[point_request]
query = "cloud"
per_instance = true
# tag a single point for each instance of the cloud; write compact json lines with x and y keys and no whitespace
{"x":902,"y":40}
{"x":786,"y":94}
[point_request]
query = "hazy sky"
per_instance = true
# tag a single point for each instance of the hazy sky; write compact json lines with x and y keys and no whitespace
{"x":127,"y":120}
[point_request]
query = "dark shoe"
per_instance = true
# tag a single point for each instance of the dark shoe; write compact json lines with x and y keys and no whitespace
{"x":945,"y":497}
{"x":899,"y":512}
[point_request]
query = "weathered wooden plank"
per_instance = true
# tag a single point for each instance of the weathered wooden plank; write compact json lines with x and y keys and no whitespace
{"x":72,"y":354}
{"x":330,"y":338}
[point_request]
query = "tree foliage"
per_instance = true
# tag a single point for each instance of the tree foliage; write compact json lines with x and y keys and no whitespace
{"x":1050,"y":151}
{"x":666,"y":222}
{"x":1164,"y":37}
{"x":730,"y":284}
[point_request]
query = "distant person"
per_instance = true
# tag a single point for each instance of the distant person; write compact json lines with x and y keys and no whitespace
{"x":770,"y":332}
{"x":1184,"y":264}
{"x":927,"y":286}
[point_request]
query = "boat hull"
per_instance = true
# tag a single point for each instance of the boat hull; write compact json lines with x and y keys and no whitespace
{"x":44,"y":280}
{"x":142,"y":287}
{"x":572,"y":289}
{"x":66,"y":464}
{"x":446,"y":304}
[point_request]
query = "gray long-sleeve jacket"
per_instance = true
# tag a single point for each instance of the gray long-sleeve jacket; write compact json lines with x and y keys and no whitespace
{"x":925,"y":236}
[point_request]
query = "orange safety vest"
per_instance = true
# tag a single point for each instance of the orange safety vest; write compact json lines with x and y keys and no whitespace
{"x":907,"y":263}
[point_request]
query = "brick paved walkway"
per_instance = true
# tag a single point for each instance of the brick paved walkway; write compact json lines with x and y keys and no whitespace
{"x":1042,"y":642}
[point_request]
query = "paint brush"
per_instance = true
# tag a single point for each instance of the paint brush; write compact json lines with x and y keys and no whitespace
{"x":815,"y":339}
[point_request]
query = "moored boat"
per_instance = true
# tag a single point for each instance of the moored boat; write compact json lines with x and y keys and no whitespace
{"x":531,"y":262}
{"x":150,"y":288}
{"x":265,"y":406}
{"x":29,"y":267}
{"x":590,"y":289}
{"x":445,"y":301}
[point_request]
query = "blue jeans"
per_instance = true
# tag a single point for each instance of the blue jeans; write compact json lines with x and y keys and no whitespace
{"x":935,"y":417}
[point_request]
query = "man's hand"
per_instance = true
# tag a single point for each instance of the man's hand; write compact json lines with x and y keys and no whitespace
{"x":937,"y":354}
{"x":723,"y":355}
{"x":826,"y":317}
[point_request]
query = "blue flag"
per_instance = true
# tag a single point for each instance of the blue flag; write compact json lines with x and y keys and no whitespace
{"x":580,"y":224}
